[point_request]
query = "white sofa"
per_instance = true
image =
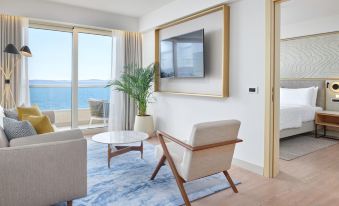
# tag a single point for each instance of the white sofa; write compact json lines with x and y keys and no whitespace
{"x":43,"y":169}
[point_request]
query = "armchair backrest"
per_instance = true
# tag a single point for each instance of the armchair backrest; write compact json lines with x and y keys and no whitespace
{"x":201,"y":163}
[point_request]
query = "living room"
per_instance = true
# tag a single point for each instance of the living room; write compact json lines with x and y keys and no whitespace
{"x":139,"y":102}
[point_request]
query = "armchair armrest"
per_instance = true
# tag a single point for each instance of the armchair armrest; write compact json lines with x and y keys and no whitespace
{"x":48,"y":137}
{"x":163,"y":135}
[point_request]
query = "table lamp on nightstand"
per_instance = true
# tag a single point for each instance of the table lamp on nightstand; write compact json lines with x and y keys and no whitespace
{"x":7,"y":95}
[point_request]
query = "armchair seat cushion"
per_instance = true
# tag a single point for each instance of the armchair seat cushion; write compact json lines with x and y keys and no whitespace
{"x":176,"y":152}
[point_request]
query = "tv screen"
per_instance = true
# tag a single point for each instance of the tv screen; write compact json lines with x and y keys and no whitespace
{"x":182,"y":56}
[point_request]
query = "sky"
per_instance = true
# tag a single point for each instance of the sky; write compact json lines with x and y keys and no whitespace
{"x":52,"y":55}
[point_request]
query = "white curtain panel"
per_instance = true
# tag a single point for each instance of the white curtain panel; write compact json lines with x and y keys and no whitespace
{"x":116,"y":100}
{"x":13,"y":30}
{"x":127,"y":50}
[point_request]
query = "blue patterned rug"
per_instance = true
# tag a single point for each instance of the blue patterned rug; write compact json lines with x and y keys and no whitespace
{"x":128,"y":182}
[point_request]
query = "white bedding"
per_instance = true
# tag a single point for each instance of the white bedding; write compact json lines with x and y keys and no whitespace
{"x":292,"y":116}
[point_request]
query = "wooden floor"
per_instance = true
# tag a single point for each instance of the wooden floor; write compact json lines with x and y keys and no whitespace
{"x":311,"y":180}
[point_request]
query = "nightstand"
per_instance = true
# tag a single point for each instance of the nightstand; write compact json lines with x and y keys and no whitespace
{"x":326,"y":119}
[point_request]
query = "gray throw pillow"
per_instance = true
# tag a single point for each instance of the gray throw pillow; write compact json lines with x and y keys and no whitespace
{"x":11,"y":113}
{"x":15,"y":129}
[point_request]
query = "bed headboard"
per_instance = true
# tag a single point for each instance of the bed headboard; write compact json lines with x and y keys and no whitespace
{"x":296,"y":83}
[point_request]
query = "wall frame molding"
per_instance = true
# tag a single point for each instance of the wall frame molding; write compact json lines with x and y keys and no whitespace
{"x":225,"y":50}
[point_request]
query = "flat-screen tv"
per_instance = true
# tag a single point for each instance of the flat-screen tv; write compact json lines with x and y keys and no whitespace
{"x":183,"y":56}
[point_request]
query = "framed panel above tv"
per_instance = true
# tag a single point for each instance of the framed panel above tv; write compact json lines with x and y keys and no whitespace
{"x":193,"y":54}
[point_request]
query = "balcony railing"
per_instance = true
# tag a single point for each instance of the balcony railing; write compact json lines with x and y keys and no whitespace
{"x":58,"y":97}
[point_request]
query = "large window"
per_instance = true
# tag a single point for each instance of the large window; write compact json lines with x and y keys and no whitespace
{"x":51,"y":75}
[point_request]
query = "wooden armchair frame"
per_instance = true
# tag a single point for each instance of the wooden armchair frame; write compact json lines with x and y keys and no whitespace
{"x":167,"y":156}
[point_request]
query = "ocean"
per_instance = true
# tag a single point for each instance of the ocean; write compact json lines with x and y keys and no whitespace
{"x":56,"y":97}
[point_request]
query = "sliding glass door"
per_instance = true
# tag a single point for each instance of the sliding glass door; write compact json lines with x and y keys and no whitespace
{"x":94,"y":72}
{"x":50,"y":72}
{"x":68,"y":74}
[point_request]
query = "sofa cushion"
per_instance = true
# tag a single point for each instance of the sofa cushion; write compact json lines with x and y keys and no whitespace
{"x":34,"y":110}
{"x":48,"y":138}
{"x":15,"y":129}
{"x":3,"y":138}
{"x":11,"y":113}
{"x":41,"y":124}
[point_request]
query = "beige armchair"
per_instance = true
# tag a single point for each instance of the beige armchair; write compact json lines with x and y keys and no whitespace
{"x":208,"y":151}
{"x":43,"y":169}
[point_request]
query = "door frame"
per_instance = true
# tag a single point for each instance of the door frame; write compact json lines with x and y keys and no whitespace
{"x":272,"y":88}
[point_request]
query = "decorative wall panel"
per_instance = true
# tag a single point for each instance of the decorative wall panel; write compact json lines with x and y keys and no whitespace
{"x":314,"y":56}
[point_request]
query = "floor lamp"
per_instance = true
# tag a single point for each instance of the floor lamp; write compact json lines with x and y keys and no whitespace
{"x":7,"y":94}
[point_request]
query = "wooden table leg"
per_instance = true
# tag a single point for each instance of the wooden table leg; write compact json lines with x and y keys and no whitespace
{"x":122,"y":150}
{"x":142,"y":150}
{"x":324,"y":131}
{"x":109,"y":156}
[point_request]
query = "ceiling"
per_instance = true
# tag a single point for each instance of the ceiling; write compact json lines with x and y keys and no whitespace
{"x":302,"y":10}
{"x":134,"y":8}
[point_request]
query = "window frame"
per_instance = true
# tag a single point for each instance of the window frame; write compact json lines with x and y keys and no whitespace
{"x":74,"y":30}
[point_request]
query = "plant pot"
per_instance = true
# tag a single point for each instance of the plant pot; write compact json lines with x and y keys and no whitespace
{"x":144,"y":124}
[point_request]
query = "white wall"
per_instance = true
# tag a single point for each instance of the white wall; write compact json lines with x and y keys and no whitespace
{"x":311,"y":26}
{"x":176,"y":114}
{"x":69,"y":14}
{"x":307,"y":17}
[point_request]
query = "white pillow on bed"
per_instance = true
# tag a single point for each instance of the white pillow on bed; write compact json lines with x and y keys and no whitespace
{"x":315,"y":95}
{"x":300,"y":96}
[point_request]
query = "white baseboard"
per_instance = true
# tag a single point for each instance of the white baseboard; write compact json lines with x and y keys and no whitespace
{"x":248,"y":166}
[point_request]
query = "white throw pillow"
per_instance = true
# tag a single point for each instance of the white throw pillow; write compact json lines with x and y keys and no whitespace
{"x":300,"y":96}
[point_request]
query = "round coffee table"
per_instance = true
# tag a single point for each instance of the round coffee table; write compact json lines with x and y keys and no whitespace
{"x":118,"y":138}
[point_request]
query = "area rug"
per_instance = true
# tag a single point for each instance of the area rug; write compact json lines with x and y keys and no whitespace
{"x":300,"y":145}
{"x":128,"y":182}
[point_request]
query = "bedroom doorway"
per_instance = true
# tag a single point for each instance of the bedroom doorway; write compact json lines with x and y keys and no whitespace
{"x":302,"y":82}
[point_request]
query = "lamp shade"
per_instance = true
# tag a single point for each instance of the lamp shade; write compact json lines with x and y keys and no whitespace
{"x":25,"y":51}
{"x":11,"y":49}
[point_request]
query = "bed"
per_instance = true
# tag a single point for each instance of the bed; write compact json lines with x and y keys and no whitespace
{"x":295,"y":118}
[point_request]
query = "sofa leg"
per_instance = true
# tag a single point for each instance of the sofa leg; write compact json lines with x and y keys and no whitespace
{"x":70,"y":203}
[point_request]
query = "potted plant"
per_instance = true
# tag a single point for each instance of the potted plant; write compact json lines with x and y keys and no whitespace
{"x":137,"y":85}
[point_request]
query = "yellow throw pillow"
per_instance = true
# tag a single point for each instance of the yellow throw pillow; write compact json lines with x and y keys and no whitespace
{"x":41,"y":124}
{"x":34,"y":110}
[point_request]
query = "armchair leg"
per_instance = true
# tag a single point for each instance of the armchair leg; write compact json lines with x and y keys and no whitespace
{"x":69,"y":203}
{"x":180,"y":183}
{"x":160,"y":164}
{"x":179,"y":180}
{"x":229,"y":179}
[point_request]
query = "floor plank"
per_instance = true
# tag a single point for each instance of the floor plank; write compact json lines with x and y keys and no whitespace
{"x":309,"y":180}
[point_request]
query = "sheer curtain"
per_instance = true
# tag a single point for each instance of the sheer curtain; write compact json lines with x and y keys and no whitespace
{"x":13,"y":29}
{"x":23,"y":82}
{"x":127,"y":50}
{"x":116,"y":100}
